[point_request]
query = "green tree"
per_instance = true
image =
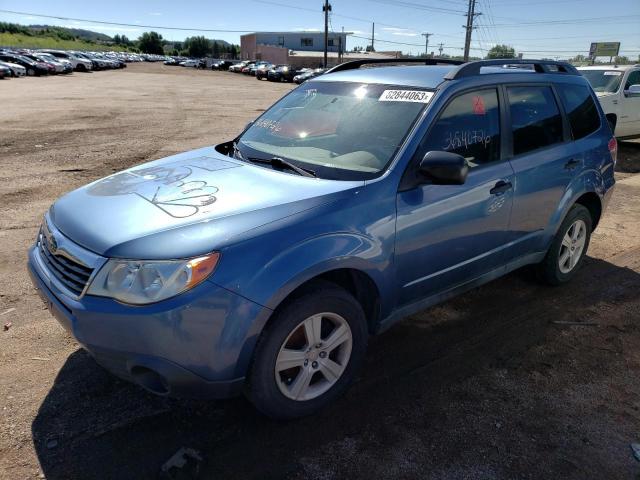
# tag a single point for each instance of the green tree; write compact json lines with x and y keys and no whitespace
{"x":197,"y":46}
{"x":622,"y":60}
{"x":151,"y":42}
{"x":502,"y":51}
{"x":216,"y":50}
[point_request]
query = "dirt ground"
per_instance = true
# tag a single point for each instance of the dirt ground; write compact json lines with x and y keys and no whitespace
{"x":487,"y":386}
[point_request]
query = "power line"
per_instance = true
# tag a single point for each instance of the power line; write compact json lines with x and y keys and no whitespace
{"x":562,"y":22}
{"x":419,"y":6}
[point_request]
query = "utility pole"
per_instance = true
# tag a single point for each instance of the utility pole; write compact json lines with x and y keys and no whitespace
{"x":340,"y":49}
{"x":373,"y":36}
{"x":426,"y":44}
{"x":440,"y":48}
{"x":471,"y":14}
{"x":326,"y":8}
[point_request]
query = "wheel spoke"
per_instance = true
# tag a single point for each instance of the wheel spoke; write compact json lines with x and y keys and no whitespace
{"x":312,"y":326}
{"x":566,"y":240}
{"x":339,"y":335}
{"x":301,"y":383}
{"x":330,"y":369}
{"x":289,"y":358}
{"x":564,"y":257}
{"x":575,"y":230}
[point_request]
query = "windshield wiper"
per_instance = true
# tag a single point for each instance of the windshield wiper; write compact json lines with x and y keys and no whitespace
{"x":282,"y":163}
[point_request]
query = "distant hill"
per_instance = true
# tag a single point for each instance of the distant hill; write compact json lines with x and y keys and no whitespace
{"x":80,"y":33}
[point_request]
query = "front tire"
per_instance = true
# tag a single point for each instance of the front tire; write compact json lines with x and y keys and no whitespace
{"x":309,"y":353}
{"x":568,"y":248}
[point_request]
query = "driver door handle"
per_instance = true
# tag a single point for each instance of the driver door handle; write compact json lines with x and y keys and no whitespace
{"x":500,"y":188}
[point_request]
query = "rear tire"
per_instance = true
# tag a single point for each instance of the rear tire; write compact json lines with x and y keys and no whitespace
{"x":568,"y":248}
{"x":309,"y":353}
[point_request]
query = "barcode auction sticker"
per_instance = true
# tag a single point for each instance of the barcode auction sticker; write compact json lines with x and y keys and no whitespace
{"x":615,"y":74}
{"x":419,"y":96}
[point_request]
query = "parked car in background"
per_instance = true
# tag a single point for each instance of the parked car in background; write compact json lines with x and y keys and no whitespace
{"x":221,"y":65}
{"x":247,"y":67}
{"x":264,"y":74}
{"x":618,"y":90}
{"x":79,"y":64}
{"x":304,"y":76}
{"x":5,"y":71}
{"x":32,"y":67}
{"x":259,"y":65}
{"x":54,"y":67}
{"x":190,"y":63}
{"x":276,"y":74}
{"x":16,"y":70}
{"x":202,"y":63}
{"x":285,"y":73}
{"x":67,"y":66}
{"x":171,"y":62}
{"x":237,"y":67}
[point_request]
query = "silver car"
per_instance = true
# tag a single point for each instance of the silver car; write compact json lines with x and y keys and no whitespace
{"x":16,"y":70}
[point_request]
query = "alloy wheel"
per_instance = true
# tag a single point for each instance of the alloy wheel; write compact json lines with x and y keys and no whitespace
{"x":314,"y":356}
{"x":572,"y":246}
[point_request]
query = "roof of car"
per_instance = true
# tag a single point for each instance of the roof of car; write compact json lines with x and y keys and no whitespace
{"x":415,"y":76}
{"x":607,"y":67}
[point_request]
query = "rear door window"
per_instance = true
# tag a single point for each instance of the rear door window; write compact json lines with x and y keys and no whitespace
{"x":535,"y":118}
{"x":469,"y":126}
{"x":581,"y":109}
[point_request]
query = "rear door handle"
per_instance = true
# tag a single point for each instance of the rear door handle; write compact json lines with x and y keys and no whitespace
{"x":571,"y":164}
{"x":500,"y":188}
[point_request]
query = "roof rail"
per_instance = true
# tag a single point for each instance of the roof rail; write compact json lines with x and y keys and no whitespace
{"x":540,"y":66}
{"x":355,"y":64}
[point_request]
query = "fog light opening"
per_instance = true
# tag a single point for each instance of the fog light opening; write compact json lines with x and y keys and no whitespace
{"x":150,"y":380}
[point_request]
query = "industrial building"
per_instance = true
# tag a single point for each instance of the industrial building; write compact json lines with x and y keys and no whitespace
{"x":301,"y":49}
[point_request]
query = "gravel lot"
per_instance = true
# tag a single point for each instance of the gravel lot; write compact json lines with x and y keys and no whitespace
{"x":485,"y":386}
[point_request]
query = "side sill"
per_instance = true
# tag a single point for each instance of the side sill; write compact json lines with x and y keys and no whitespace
{"x":427,"y":302}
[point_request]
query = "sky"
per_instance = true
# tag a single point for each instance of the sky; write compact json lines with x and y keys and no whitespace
{"x":538,"y":28}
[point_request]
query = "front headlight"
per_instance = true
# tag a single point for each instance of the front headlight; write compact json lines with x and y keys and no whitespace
{"x":143,"y":282}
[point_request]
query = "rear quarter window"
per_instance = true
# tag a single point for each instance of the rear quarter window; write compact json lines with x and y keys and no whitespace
{"x":581,"y":109}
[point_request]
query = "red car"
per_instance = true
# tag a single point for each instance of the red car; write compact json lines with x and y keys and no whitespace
{"x":247,"y":68}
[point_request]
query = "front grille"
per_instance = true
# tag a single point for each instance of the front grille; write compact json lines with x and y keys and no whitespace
{"x":70,"y":273}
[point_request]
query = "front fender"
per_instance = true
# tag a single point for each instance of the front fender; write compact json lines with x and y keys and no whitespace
{"x":318,"y":255}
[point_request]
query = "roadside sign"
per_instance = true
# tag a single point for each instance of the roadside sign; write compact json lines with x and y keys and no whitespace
{"x":604,"y":49}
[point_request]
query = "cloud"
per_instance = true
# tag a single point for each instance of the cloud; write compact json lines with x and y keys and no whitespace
{"x":156,"y":14}
{"x":402,"y":32}
{"x":405,"y":34}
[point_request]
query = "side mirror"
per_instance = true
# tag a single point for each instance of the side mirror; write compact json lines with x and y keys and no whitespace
{"x":634,"y":91}
{"x":444,"y":168}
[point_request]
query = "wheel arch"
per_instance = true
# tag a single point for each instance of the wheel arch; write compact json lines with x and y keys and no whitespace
{"x":355,"y":281}
{"x":592,"y":202}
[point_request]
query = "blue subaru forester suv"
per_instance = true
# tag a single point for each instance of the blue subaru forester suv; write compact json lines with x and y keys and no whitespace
{"x":261,"y":265}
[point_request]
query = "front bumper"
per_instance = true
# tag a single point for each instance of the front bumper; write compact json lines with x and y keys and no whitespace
{"x":196,"y":345}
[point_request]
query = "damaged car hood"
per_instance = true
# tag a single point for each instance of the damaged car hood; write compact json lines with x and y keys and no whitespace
{"x":185,"y":205}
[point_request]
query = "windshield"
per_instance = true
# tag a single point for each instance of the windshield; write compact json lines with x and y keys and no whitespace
{"x":603,"y":81}
{"x":346,"y":131}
